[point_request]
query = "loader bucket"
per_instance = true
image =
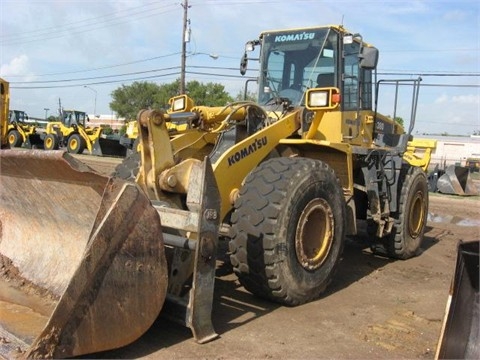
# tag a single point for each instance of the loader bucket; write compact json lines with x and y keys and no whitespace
{"x":82,"y":263}
{"x":457,"y":181}
{"x":103,"y":146}
{"x":460,"y":335}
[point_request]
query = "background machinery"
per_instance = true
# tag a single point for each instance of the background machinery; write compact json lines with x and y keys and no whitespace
{"x":284,"y":180}
{"x":73,"y":133}
{"x":21,"y":133}
{"x":4,"y":108}
{"x":131,"y":141}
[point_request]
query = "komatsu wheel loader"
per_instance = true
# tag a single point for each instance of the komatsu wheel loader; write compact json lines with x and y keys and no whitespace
{"x":22,"y":134}
{"x":73,"y":133}
{"x":284,"y":180}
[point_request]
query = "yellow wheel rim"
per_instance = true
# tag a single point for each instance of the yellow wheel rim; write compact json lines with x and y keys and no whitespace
{"x":73,"y":144}
{"x":314,"y":235}
{"x":416,"y":217}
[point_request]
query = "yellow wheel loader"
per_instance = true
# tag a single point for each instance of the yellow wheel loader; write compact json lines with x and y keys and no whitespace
{"x":4,"y":113}
{"x":90,"y":259}
{"x":73,"y":134}
{"x":131,"y":141}
{"x":22,"y":134}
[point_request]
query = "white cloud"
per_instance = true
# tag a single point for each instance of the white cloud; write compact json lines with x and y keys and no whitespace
{"x":17,"y":66}
{"x":441,"y":99}
{"x":466,"y":99}
{"x":454,"y":15}
{"x":459,"y":99}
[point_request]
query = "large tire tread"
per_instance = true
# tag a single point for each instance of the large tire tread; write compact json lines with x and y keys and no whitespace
{"x":398,"y":244}
{"x":258,"y":222}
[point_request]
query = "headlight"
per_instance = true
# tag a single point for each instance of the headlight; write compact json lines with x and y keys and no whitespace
{"x":178,"y":104}
{"x":318,"y":99}
{"x":323,"y":99}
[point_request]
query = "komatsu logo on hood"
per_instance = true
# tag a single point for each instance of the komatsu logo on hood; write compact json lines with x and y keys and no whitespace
{"x":257,"y":144}
{"x":295,"y":37}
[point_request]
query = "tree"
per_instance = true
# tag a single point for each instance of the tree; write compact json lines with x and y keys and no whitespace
{"x":210,"y":94}
{"x":399,"y":120}
{"x":128,"y":100}
{"x":251,"y":96}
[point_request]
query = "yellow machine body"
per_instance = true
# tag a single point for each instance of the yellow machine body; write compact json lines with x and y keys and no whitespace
{"x":284,"y":180}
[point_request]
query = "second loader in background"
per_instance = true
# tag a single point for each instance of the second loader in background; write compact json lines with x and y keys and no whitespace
{"x":21,"y":133}
{"x":73,"y":133}
{"x":283,"y":180}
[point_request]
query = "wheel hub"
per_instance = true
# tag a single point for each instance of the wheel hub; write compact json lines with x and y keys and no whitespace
{"x":314,"y":235}
{"x":73,"y":144}
{"x":416,"y":215}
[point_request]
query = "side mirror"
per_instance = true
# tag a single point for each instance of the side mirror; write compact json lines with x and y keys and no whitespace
{"x":243,"y":64}
{"x":369,"y":58}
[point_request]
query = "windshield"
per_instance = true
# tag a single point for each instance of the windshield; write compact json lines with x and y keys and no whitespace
{"x":74,"y":118}
{"x":16,"y":115}
{"x":295,"y":61}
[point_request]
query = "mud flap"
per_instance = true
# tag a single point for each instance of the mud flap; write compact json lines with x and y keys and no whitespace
{"x":461,"y":328}
{"x":456,"y":181}
{"x":82,"y":258}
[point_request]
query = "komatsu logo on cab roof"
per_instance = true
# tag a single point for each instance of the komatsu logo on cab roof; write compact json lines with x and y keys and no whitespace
{"x":295,"y":37}
{"x":247,"y":150}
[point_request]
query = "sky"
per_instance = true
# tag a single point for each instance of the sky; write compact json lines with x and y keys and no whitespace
{"x":81,"y":51}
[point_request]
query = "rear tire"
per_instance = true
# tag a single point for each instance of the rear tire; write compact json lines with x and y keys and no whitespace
{"x":288,"y":230}
{"x":51,"y":142}
{"x":15,"y":138}
{"x":75,"y":144}
{"x":407,"y":234}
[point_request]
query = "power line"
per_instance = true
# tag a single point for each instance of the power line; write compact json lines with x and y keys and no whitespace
{"x":72,"y":23}
{"x":69,"y":30}
{"x":442,"y":74}
{"x":94,"y":83}
{"x":99,"y":68}
{"x":115,"y":75}
{"x":93,"y":78}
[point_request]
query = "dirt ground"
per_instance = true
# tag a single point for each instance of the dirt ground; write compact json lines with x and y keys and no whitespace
{"x":375,"y":308}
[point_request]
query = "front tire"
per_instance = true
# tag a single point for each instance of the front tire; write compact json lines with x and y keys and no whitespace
{"x":410,"y":220}
{"x":75,"y":144}
{"x":15,"y":138}
{"x":288,"y":230}
{"x":51,"y":142}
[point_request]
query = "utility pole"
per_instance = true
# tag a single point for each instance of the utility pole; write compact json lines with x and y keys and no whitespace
{"x":185,"y":39}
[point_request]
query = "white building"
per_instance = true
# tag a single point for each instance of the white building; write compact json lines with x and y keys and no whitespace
{"x":112,"y":120}
{"x":453,"y":150}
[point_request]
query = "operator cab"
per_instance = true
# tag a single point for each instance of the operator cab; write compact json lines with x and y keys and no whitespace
{"x":17,"y":116}
{"x":294,"y":61}
{"x":74,"y":118}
